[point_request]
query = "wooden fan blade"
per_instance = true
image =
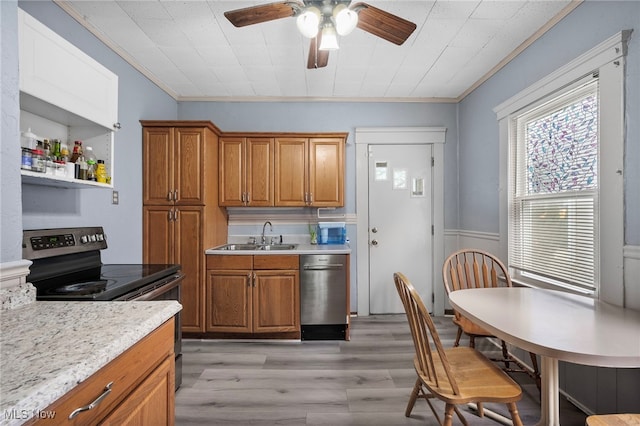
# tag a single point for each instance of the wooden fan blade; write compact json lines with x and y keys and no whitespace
{"x":317,"y":58}
{"x":383,"y":24}
{"x":258,"y":14}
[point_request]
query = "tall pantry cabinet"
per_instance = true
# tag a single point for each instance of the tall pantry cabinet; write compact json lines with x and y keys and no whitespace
{"x":181,"y":216}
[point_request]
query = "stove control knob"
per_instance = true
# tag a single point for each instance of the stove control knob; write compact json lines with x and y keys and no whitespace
{"x":84,"y":239}
{"x":100,"y":237}
{"x":93,"y":238}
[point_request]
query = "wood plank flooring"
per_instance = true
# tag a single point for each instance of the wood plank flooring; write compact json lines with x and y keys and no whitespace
{"x":366,"y":381}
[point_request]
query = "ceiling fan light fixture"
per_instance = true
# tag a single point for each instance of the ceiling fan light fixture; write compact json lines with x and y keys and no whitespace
{"x":308,"y":22}
{"x":345,"y":18}
{"x":329,"y":39}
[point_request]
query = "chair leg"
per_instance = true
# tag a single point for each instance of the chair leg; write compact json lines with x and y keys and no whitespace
{"x":505,"y":354}
{"x":515,"y":416}
{"x":536,"y":370}
{"x":412,"y":399}
{"x":472,"y":341}
{"x":458,"y":336}
{"x":448,"y":414}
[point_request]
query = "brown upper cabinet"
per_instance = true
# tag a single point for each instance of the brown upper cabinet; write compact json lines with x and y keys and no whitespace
{"x":246,"y":171}
{"x":309,"y":171}
{"x":173,"y":165}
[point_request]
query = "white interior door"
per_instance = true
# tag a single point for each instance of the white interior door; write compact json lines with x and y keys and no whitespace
{"x":400,"y":223}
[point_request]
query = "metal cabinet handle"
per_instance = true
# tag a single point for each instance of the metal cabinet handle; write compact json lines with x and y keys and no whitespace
{"x":310,"y":198}
{"x":170,"y":215}
{"x":175,"y":195}
{"x":255,"y":277}
{"x":248,"y":198}
{"x":170,"y":196}
{"x":117,"y":126}
{"x":94,"y":404}
{"x":175,"y":215}
{"x":249,"y":279}
{"x":374,"y":242}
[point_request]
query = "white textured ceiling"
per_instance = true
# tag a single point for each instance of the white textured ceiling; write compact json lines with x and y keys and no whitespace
{"x":190,"y":50}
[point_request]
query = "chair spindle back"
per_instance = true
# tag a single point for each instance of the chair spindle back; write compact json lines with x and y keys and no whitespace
{"x":431,"y":359}
{"x":471,"y":268}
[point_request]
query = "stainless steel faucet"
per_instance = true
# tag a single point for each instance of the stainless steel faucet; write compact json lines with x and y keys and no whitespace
{"x":264,"y":240}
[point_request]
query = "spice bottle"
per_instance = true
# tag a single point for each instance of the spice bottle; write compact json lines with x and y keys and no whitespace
{"x":37,"y":161}
{"x":26,"y":159}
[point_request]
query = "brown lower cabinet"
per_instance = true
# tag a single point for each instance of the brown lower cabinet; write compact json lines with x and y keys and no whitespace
{"x":141,"y":382}
{"x":253,"y":294}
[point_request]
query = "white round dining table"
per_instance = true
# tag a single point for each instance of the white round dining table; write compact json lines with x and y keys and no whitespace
{"x":557,"y":326}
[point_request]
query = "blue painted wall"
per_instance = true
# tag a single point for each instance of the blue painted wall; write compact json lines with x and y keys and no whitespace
{"x":588,"y":25}
{"x":138,"y":98}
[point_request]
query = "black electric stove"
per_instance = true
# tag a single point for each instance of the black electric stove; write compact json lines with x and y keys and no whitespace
{"x":67,"y":266}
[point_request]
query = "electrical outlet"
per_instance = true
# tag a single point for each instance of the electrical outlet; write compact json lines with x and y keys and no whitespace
{"x":115,"y":198}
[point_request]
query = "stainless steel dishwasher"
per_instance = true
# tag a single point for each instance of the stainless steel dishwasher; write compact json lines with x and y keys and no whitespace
{"x":323,"y":296}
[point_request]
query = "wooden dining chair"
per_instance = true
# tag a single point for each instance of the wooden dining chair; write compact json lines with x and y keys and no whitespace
{"x":472,"y":268}
{"x":458,"y":375}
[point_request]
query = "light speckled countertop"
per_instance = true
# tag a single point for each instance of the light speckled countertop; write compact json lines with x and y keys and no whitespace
{"x":300,"y":249}
{"x":47,"y":348}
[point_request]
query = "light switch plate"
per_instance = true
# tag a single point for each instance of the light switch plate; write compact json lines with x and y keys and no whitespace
{"x":115,"y":198}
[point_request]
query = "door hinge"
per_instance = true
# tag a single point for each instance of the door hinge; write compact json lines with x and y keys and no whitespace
{"x":433,"y":298}
{"x":433,"y":161}
{"x":432,"y":230}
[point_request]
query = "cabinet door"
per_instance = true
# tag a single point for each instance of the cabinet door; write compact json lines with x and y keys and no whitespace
{"x":157,"y":165}
{"x":231,"y":172}
{"x":189,"y":251}
{"x":326,"y":172}
{"x":55,"y":71}
{"x":290,"y":172}
{"x":158,"y":234}
{"x":189,"y":174}
{"x":151,"y":403}
{"x":228,"y":300}
{"x":276,"y":301}
{"x":259,"y":171}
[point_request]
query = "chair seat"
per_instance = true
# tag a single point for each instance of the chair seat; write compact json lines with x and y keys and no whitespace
{"x":477,"y":378}
{"x":613,"y":420}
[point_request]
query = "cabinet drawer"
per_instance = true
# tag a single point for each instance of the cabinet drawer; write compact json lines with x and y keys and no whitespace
{"x":286,"y":261}
{"x":125,"y":372}
{"x":229,"y":262}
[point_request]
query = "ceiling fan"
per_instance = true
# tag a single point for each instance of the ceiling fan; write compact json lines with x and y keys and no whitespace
{"x":323,"y":20}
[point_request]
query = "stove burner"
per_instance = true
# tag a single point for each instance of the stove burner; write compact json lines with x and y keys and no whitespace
{"x":81,"y":289}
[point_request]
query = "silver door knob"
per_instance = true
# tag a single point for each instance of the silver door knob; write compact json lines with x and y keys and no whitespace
{"x":374,"y":242}
{"x":374,"y":230}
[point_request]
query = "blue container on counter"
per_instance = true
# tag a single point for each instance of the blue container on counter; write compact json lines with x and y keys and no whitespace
{"x":332,"y":232}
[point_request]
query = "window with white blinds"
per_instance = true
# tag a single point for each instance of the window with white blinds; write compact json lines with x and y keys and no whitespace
{"x":554,"y":189}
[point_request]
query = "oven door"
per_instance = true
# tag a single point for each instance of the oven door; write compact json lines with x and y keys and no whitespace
{"x":165,"y":289}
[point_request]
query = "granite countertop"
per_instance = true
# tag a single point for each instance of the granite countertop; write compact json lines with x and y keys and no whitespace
{"x":300,"y":249}
{"x":47,"y":348}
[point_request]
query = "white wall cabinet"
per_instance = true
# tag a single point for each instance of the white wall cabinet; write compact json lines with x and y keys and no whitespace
{"x":65,"y":94}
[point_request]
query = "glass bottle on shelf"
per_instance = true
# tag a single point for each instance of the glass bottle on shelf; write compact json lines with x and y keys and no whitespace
{"x":77,"y":151}
{"x":90,"y":158}
{"x":83,"y":168}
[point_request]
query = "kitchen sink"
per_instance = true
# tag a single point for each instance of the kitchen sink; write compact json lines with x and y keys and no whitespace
{"x":239,"y":247}
{"x":279,"y":247}
{"x":247,"y":247}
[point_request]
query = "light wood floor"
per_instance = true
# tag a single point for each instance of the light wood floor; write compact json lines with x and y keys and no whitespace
{"x":365,"y":381}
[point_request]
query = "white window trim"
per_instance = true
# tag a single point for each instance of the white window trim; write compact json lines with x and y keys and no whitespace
{"x":608,"y":59}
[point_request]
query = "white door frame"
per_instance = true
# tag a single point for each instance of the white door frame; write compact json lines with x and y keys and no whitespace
{"x":399,"y":136}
